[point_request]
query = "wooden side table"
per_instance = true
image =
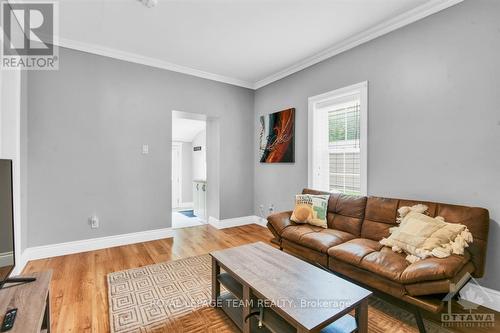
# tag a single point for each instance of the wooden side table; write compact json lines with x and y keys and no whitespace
{"x":32,"y":301}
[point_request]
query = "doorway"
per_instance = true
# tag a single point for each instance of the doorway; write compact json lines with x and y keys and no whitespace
{"x":189,"y":170}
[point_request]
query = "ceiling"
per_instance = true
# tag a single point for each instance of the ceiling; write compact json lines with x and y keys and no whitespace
{"x":185,"y":130}
{"x":248,"y":43}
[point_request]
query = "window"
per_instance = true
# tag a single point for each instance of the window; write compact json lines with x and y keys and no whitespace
{"x":337,"y":140}
{"x":344,"y":149}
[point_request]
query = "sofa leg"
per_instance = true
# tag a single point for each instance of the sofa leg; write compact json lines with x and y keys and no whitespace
{"x":420,"y":321}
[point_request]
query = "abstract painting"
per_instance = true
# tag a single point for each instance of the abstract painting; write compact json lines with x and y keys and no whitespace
{"x":277,"y":137}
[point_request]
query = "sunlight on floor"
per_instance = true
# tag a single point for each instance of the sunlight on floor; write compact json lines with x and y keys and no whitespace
{"x":181,"y":221}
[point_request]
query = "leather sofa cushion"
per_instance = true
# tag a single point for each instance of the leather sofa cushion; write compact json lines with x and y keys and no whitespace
{"x":477,"y":221}
{"x":381,"y":214}
{"x":315,"y":238}
{"x":367,"y":278}
{"x":346,"y":213}
{"x":437,"y":286}
{"x":444,"y":268}
{"x":386,"y":263}
{"x":293,"y":233}
{"x":305,"y":253}
{"x":382,"y":210}
{"x":354,"y":251}
{"x":372,"y":256}
{"x":325,"y":239}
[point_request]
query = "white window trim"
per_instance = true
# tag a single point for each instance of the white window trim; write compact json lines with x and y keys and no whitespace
{"x":359,"y":88}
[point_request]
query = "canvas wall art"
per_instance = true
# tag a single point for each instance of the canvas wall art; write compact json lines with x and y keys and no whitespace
{"x":277,"y":137}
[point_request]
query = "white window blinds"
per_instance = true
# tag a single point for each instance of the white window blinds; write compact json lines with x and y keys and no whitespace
{"x":344,"y":148}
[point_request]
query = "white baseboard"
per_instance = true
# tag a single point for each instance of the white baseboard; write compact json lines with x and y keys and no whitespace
{"x":20,"y":264}
{"x":60,"y":249}
{"x":235,"y":222}
{"x":6,"y":258}
{"x":261,"y":221}
{"x":490,"y":297}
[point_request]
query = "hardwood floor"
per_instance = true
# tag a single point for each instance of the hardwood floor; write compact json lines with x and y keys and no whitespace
{"x":79,"y":290}
{"x":79,"y":301}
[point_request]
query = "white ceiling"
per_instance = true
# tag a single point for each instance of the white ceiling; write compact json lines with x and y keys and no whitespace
{"x":244,"y":42}
{"x":185,"y":130}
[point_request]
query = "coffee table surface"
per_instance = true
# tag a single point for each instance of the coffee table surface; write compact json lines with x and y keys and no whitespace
{"x":301,"y":292}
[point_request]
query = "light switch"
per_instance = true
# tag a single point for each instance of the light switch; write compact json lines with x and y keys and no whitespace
{"x":94,"y":222}
{"x":145,"y":149}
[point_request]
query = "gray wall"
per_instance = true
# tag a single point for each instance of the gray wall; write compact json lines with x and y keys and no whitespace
{"x":434,"y":118}
{"x":187,"y":172}
{"x":86,"y":125}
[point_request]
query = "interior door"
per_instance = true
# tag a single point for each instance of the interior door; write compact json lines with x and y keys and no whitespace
{"x":176,"y":175}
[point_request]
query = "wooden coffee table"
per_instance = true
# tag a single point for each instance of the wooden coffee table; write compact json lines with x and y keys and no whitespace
{"x":286,"y":293}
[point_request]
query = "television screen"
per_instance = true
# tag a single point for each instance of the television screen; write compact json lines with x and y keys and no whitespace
{"x":6,"y":221}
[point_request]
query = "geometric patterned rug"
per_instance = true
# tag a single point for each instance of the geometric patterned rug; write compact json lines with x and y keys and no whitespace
{"x":175,"y":297}
{"x":167,"y":297}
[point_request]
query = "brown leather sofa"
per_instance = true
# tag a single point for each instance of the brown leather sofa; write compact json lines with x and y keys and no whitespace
{"x":350,"y":247}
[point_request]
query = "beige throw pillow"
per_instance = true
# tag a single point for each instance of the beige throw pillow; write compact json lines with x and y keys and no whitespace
{"x":422,"y":236}
{"x":311,"y":209}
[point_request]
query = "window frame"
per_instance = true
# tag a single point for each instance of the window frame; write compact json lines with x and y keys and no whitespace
{"x":316,"y":148}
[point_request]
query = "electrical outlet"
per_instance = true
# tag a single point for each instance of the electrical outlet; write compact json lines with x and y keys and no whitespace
{"x":94,"y":222}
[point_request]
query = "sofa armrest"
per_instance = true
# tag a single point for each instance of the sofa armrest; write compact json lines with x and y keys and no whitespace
{"x":278,"y":222}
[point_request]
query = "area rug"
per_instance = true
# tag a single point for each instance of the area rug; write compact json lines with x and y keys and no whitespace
{"x":175,"y":297}
{"x":188,"y":213}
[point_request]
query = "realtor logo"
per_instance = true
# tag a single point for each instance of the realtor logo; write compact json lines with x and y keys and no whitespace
{"x":470,"y":298}
{"x":28,"y":35}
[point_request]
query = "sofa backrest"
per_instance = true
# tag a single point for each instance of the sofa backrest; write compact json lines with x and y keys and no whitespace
{"x":371,"y":217}
{"x":381,"y":214}
{"x":345,"y":212}
{"x":477,"y":221}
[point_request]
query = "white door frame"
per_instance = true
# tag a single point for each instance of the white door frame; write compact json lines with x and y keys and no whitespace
{"x":314,"y":147}
{"x":177,"y":203}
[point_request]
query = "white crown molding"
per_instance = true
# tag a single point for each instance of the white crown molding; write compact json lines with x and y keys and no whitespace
{"x":60,"y":249}
{"x":390,"y":25}
{"x":395,"y":23}
{"x":148,"y":61}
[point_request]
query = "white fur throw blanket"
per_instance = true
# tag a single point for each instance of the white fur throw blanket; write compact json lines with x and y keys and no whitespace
{"x":421,"y":236}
